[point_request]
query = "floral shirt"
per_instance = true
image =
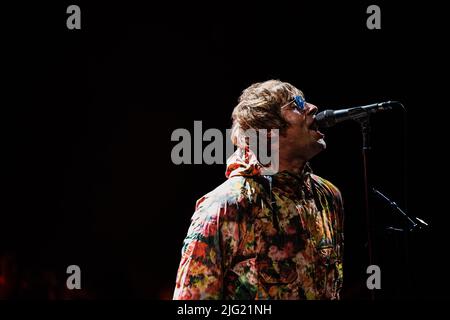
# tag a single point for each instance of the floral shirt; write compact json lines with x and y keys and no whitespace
{"x":260,"y":238}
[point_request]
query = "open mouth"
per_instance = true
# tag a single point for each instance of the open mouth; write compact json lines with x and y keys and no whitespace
{"x":314,"y":127}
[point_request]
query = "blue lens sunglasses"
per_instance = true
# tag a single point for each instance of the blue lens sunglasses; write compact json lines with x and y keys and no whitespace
{"x":299,"y":103}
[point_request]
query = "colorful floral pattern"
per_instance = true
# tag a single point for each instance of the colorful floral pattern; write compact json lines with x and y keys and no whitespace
{"x":246,"y":242}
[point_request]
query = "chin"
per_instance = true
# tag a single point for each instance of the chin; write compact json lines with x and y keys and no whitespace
{"x":322,"y":144}
{"x":318,"y":147}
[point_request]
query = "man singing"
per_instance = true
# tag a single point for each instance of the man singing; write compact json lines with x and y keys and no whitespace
{"x":267,"y":237}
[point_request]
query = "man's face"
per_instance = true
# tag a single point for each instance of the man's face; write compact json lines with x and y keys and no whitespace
{"x":302,"y":139}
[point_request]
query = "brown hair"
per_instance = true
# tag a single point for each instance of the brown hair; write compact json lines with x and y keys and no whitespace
{"x":259,"y":107}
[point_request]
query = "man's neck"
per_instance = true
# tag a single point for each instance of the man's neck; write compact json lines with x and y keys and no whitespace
{"x":292,"y":165}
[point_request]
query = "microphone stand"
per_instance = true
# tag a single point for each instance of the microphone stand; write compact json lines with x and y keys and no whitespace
{"x":415,"y":223}
{"x":364,"y":121}
{"x":362,"y":116}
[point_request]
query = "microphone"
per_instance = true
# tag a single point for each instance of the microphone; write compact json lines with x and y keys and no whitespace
{"x":329,"y":118}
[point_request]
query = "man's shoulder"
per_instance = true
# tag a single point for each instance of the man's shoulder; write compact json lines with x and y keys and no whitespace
{"x":326,"y":185}
{"x":235,"y":191}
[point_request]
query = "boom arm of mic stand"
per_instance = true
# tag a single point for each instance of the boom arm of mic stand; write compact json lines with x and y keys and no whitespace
{"x":413,"y":224}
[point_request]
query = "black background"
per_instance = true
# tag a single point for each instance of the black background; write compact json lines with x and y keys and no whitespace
{"x":87,"y":118}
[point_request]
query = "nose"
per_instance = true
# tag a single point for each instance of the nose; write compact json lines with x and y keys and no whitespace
{"x":311,"y":109}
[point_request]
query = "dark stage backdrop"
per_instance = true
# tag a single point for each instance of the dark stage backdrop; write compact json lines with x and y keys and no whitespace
{"x":87,"y":117}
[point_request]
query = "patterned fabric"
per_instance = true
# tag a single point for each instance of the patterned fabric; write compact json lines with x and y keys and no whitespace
{"x":246,"y":242}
